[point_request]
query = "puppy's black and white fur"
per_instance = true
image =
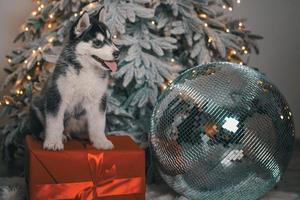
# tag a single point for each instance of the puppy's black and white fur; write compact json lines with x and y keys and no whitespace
{"x":74,"y":97}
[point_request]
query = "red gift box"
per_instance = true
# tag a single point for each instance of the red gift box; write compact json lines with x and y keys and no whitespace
{"x":82,"y":172}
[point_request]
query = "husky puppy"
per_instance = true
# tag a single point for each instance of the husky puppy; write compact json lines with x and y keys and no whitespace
{"x":74,"y":97}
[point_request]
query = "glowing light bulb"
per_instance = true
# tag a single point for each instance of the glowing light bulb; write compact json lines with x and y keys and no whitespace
{"x":28,"y":77}
{"x":240,"y":24}
{"x":243,"y":47}
{"x":33,"y":51}
{"x":75,"y":14}
{"x":42,"y":6}
{"x":115,"y":36}
{"x":227,"y":30}
{"x":49,"y":25}
{"x":210,"y":39}
{"x":153,"y":22}
{"x":238,"y":1}
{"x":9,"y":60}
{"x":224,"y":7}
{"x":25,"y":61}
{"x":51,"y":16}
{"x":34,"y":13}
{"x":51,"y":39}
{"x":6,"y":102}
{"x":233,"y":52}
{"x":26,"y":28}
{"x":40,"y":48}
{"x":230,"y":8}
{"x":206,"y":25}
{"x":245,"y":52}
{"x":203,"y":16}
{"x":172,"y":60}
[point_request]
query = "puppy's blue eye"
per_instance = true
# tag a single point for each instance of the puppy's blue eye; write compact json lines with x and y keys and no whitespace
{"x":98,"y":43}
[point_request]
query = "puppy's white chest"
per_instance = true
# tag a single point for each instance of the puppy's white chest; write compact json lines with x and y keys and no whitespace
{"x":87,"y":85}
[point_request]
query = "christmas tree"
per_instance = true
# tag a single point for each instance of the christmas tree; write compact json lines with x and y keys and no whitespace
{"x":157,"y":40}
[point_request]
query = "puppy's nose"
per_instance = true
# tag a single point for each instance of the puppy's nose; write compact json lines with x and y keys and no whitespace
{"x":116,"y":54}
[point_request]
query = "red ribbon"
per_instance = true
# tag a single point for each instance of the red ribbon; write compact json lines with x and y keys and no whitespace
{"x":103,"y":183}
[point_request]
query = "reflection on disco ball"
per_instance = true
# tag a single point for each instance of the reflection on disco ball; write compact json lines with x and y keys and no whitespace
{"x":222,"y":131}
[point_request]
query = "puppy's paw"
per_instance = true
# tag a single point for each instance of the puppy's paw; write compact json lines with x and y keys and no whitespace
{"x":53,"y":145}
{"x":103,"y":144}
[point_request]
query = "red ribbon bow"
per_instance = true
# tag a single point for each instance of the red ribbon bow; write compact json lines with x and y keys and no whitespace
{"x":100,"y":176}
{"x":104,"y":183}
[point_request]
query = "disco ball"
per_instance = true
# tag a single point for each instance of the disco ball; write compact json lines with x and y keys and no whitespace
{"x":222,"y":131}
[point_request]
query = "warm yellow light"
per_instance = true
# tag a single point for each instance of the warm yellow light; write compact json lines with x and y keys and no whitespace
{"x":26,"y":28}
{"x":21,"y":92}
{"x":40,"y":48}
{"x":241,"y":63}
{"x":210,"y":39}
{"x":28,"y":77}
{"x":115,"y":36}
{"x":42,"y":5}
{"x":9,"y":60}
{"x":240,"y":24}
{"x":38,"y":63}
{"x":233,"y":52}
{"x":6,"y":102}
{"x":243,"y":47}
{"x":238,"y":1}
{"x":230,"y":8}
{"x":245,"y":52}
{"x":206,"y":25}
{"x":153,"y":22}
{"x":224,"y":6}
{"x":34,"y":13}
{"x":203,"y":16}
{"x":227,"y":30}
{"x":75,"y":14}
{"x":33,"y":51}
{"x":49,"y":25}
{"x":51,"y":16}
{"x":25,"y":61}
{"x":172,"y":60}
{"x":51,"y":39}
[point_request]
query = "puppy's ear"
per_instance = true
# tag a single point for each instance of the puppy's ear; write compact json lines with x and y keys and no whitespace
{"x":83,"y":24}
{"x":101,"y":15}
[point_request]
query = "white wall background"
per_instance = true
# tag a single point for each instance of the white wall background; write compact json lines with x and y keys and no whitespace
{"x":277,"y":20}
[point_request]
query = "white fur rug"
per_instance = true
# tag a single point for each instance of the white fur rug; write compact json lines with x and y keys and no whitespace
{"x":15,"y":189}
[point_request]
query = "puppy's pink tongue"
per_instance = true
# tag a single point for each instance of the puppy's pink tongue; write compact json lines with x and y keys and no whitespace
{"x":112,"y":65}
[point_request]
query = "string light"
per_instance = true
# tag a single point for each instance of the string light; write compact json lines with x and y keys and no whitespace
{"x":238,"y":1}
{"x":25,"y":61}
{"x":9,"y":60}
{"x":153,"y":22}
{"x":28,"y":77}
{"x":33,"y":51}
{"x":233,"y":52}
{"x":172,"y":60}
{"x":75,"y":14}
{"x":243,"y":47}
{"x":40,"y":48}
{"x":230,"y":8}
{"x":51,"y":39}
{"x":240,"y":24}
{"x":210,"y":39}
{"x":227,"y":30}
{"x":49,"y":25}
{"x":6,"y":102}
{"x":42,"y":6}
{"x":245,"y":52}
{"x":26,"y":28}
{"x":115,"y":36}
{"x":224,"y":7}
{"x":206,"y":25}
{"x":203,"y":16}
{"x":34,"y":13}
{"x":51,"y":16}
{"x":38,"y":63}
